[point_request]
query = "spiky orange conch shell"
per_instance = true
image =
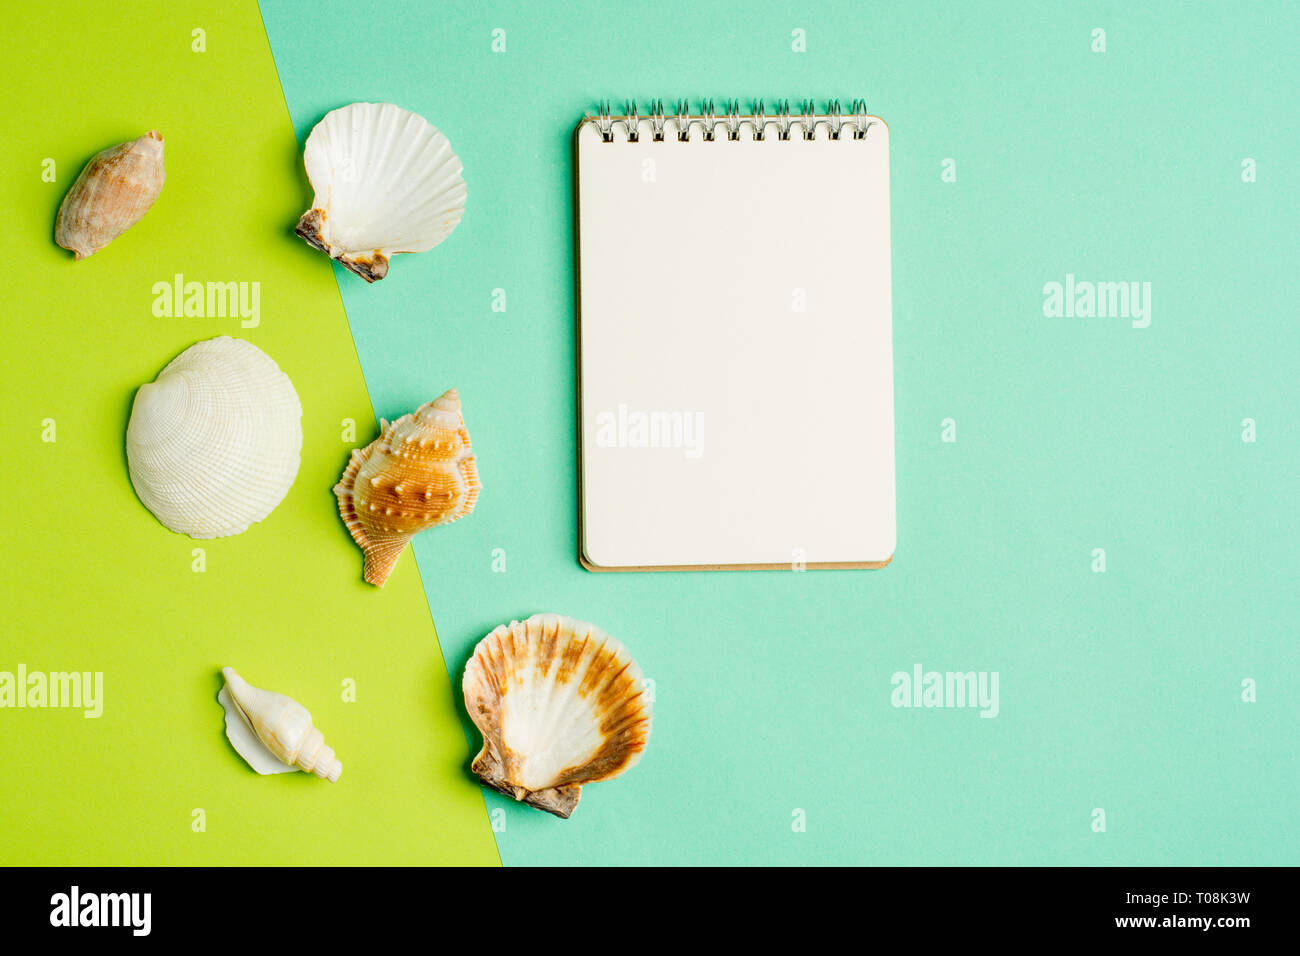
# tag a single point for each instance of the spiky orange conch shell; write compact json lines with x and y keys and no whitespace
{"x":419,"y":473}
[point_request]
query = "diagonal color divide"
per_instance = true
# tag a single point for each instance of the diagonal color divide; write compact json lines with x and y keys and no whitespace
{"x":97,"y":585}
{"x":775,"y":737}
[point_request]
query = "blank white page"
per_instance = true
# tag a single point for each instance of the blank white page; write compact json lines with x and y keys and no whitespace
{"x":735,"y":356}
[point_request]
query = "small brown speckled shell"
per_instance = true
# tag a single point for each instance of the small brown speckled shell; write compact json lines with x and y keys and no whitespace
{"x":560,"y":704}
{"x":419,"y":473}
{"x":112,"y":194}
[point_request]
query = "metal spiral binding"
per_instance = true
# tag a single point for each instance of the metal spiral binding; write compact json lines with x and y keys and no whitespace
{"x":783,"y":119}
{"x":658,"y":121}
{"x":633,"y":123}
{"x":733,"y":118}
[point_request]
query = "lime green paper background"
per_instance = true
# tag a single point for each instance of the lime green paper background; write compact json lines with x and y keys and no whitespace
{"x":1119,"y":691}
{"x":92,"y":582}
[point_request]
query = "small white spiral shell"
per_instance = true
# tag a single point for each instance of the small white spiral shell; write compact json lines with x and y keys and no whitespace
{"x":283,"y":726}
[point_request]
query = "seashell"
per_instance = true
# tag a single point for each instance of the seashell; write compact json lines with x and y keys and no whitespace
{"x":386,"y":182}
{"x":560,"y":704}
{"x":112,"y":194}
{"x":213,"y":443}
{"x":274,"y":733}
{"x":420,"y":472}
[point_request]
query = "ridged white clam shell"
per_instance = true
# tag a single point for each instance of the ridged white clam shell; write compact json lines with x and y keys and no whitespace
{"x":386,"y":182}
{"x":214,"y":442}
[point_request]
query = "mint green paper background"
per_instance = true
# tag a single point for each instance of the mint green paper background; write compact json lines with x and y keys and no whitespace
{"x":1119,"y":690}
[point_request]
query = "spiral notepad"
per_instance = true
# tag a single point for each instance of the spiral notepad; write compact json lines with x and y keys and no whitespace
{"x":735,"y":361}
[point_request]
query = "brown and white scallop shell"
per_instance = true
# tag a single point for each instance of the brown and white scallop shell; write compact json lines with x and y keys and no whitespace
{"x":419,"y":473}
{"x":560,"y":704}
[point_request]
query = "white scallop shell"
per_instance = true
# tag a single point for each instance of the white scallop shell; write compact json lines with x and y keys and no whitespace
{"x":214,"y":442}
{"x":386,"y":182}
